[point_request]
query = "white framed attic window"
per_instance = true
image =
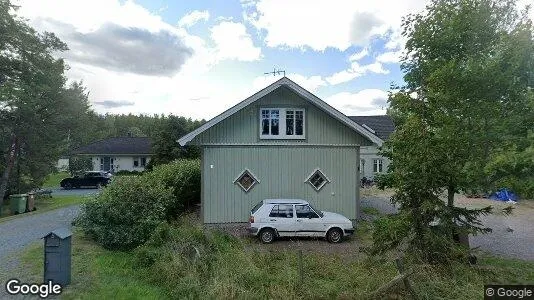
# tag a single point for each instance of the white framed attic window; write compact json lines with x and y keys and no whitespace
{"x":282,"y":123}
{"x":246,"y":180}
{"x":317,"y":179}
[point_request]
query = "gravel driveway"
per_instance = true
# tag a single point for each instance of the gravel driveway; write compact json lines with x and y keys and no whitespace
{"x":18,"y":233}
{"x":512,"y":236}
{"x":74,"y":192}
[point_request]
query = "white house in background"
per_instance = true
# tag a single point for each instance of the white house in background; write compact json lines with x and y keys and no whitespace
{"x":371,"y":162}
{"x":63,"y":163}
{"x":118,"y":154}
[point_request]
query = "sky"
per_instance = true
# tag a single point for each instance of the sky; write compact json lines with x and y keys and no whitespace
{"x":198,"y":58}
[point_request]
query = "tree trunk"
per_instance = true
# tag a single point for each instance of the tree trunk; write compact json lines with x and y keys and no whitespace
{"x":10,"y":161}
{"x":450,"y":195}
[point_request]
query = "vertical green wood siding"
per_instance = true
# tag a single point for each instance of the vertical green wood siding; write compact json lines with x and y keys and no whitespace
{"x":281,"y":171}
{"x":243,"y":126}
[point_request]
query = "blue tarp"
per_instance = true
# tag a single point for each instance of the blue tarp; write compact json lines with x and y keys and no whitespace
{"x":504,"y":195}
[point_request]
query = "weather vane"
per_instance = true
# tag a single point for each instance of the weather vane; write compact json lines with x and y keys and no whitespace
{"x":276,"y":72}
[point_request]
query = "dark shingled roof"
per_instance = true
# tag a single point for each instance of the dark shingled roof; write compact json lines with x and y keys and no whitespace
{"x":118,"y":145}
{"x":382,"y":125}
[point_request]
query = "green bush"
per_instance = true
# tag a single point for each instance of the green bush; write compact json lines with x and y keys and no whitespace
{"x":183,"y":177}
{"x":513,"y":169}
{"x":126,"y":213}
{"x":127,"y":173}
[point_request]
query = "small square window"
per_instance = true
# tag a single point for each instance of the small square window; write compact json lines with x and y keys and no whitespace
{"x":317,"y":179}
{"x":246,"y":180}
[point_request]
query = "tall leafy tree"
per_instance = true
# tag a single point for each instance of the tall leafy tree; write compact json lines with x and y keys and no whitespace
{"x":165,"y":145}
{"x":35,"y":106}
{"x":468,"y":78}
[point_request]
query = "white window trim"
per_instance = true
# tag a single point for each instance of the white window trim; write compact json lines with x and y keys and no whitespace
{"x":282,"y":124}
{"x":379,"y":166}
{"x":256,"y":180}
{"x":322,"y":173}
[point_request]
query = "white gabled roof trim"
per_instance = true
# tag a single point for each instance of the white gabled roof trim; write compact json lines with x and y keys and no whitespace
{"x":296,"y":88}
{"x":368,"y":128}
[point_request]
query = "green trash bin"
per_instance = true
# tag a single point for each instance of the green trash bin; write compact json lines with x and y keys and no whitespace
{"x":18,"y":203}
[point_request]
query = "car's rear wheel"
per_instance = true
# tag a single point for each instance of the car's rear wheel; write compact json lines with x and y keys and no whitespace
{"x":334,"y":235}
{"x":68,"y":186}
{"x":267,"y":235}
{"x":99,"y":185}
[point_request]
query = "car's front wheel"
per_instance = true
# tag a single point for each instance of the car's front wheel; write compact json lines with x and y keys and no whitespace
{"x":334,"y":235}
{"x":67,"y":186}
{"x":267,"y":235}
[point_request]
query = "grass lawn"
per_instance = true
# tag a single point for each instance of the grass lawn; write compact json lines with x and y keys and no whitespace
{"x":43,"y":204}
{"x":96,"y":273}
{"x":233,"y":271}
{"x":53,"y":179}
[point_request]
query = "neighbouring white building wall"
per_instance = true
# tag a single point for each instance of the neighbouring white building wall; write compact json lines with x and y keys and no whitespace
{"x":120,"y":163}
{"x":371,"y":163}
{"x":62,"y":164}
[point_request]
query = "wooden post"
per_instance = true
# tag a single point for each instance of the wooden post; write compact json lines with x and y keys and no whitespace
{"x":403,"y":276}
{"x":407,"y":283}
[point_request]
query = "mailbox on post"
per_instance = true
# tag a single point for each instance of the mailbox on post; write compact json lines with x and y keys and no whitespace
{"x":57,"y":256}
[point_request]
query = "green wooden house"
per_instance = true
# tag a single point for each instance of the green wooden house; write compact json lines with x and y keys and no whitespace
{"x":282,"y":142}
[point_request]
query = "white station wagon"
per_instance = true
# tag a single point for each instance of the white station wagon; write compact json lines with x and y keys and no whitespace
{"x":273,"y":218}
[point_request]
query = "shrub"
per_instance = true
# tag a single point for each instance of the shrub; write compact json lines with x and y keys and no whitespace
{"x":126,"y":213}
{"x":127,"y":173}
{"x":183,"y":177}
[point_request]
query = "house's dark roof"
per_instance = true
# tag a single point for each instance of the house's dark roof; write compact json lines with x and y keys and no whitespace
{"x":118,"y":145}
{"x":382,"y":125}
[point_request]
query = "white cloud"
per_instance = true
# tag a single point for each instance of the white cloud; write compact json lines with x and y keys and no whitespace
{"x":311,"y":83}
{"x":356,"y":70}
{"x":364,"y":102}
{"x":194,"y":17}
{"x":233,"y":42}
{"x":322,"y":23}
{"x":131,"y":85}
{"x":359,"y":55}
{"x":389,"y":57}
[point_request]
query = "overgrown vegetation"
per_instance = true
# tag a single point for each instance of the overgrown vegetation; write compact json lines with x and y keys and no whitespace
{"x":168,"y":267}
{"x":126,"y":213}
{"x":183,"y":176}
{"x":465,"y":99}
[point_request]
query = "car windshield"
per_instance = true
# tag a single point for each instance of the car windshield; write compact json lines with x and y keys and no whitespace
{"x":255,"y":208}
{"x":317,"y":211}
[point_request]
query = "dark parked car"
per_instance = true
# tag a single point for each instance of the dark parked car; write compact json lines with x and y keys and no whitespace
{"x":89,"y":179}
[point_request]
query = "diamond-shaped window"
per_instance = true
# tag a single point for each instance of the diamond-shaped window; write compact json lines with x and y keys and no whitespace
{"x":317,"y":179}
{"x":246,"y":180}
